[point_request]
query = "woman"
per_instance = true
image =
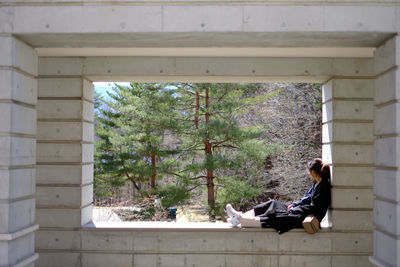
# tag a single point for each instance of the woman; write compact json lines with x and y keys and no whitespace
{"x":278,"y":215}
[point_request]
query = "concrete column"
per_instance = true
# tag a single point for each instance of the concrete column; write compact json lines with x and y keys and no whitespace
{"x":64,"y":188}
{"x":348,"y":146}
{"x":18,"y":90}
{"x":387,"y":155}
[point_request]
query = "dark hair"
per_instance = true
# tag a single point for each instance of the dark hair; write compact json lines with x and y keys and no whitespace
{"x":319,"y":167}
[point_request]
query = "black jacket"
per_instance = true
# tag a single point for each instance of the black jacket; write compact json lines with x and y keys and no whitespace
{"x":319,"y":202}
{"x":283,"y":221}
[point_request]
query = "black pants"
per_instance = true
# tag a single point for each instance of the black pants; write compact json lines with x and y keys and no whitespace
{"x":270,"y":206}
{"x":274,"y":214}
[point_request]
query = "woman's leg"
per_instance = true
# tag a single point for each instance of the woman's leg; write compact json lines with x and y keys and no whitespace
{"x":249,"y":213}
{"x":250,"y":221}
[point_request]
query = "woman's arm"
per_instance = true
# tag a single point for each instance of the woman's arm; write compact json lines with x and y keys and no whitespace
{"x":319,"y":203}
{"x":306,"y":199}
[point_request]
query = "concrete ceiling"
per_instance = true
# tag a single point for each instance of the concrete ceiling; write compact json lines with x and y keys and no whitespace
{"x":290,"y":44}
{"x":215,"y":39}
{"x":338,"y":52}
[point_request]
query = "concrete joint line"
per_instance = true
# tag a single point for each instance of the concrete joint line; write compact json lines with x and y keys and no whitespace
{"x":19,"y":103}
{"x":390,"y":102}
{"x":18,"y":135}
{"x":19,"y":233}
{"x":88,"y":100}
{"x":61,"y":98}
{"x":64,"y":163}
{"x":200,"y":3}
{"x":65,"y":120}
{"x":18,"y":70}
{"x":348,"y":121}
{"x":351,"y":187}
{"x":388,"y":168}
{"x":377,"y":262}
{"x":380,"y":229}
{"x":349,"y":143}
{"x":77,"y":142}
{"x":46,"y":207}
{"x":352,"y":165}
{"x":353,"y":209}
{"x":221,"y":252}
{"x":59,"y":76}
{"x":59,"y":229}
{"x":342,"y":77}
{"x":13,"y":200}
{"x":64,"y":185}
{"x":393,"y":68}
{"x":384,"y":199}
{"x":77,"y":98}
{"x":87,"y":78}
{"x":348,"y":99}
{"x":17,"y":167}
{"x":383,"y":136}
{"x":27,"y":261}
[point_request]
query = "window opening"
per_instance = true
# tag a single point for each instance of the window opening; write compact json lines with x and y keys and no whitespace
{"x":181,"y":151}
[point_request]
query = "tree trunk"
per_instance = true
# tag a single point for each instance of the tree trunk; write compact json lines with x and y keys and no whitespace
{"x":154,"y":172}
{"x":210,"y":173}
{"x":196,"y":116}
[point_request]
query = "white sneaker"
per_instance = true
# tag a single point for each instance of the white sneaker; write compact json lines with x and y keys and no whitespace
{"x":234,"y":221}
{"x":231,"y":212}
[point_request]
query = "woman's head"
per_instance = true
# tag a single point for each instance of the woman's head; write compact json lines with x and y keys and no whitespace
{"x":318,"y":170}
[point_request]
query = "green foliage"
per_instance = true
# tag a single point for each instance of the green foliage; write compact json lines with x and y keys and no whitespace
{"x":234,"y":190}
{"x":173,"y":195}
{"x":160,"y":120}
{"x":131,"y":129}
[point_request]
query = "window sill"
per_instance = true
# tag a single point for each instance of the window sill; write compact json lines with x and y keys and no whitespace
{"x":189,"y":226}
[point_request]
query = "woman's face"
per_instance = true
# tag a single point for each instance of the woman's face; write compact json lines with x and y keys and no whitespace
{"x":312,"y":175}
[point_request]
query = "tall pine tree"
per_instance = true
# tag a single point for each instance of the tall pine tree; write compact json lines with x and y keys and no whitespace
{"x":219,"y":153}
{"x":132,"y":125}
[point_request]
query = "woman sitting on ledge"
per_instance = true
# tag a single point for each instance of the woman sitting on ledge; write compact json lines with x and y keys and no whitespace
{"x":281,"y":217}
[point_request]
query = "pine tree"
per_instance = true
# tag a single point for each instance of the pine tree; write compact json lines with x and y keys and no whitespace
{"x":132,"y":126}
{"x":218,"y":151}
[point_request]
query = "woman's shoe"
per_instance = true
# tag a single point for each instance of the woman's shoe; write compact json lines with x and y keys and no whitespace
{"x":231,"y":212}
{"x":234,"y":221}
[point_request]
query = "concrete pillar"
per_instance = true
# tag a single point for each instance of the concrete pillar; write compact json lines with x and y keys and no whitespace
{"x":348,"y":146}
{"x":387,"y":154}
{"x":18,"y":90}
{"x":64,"y":189}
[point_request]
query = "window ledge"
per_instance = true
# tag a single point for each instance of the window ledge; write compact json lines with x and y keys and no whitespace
{"x":191,"y":226}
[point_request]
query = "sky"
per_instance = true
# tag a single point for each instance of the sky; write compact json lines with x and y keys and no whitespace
{"x":103,"y":87}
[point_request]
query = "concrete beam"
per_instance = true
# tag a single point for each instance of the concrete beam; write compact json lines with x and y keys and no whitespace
{"x":202,"y":69}
{"x":166,"y":16}
{"x":223,"y":69}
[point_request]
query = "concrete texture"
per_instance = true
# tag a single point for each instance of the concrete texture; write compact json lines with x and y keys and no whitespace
{"x":387,"y":155}
{"x":64,"y":103}
{"x":18,"y":66}
{"x":288,"y":23}
{"x":203,"y":246}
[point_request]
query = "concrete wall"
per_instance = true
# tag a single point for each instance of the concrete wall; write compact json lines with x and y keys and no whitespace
{"x":347,"y":117}
{"x":64,"y":126}
{"x":202,"y":244}
{"x":64,"y":188}
{"x":387,"y":154}
{"x":63,"y":91}
{"x":18,"y":89}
